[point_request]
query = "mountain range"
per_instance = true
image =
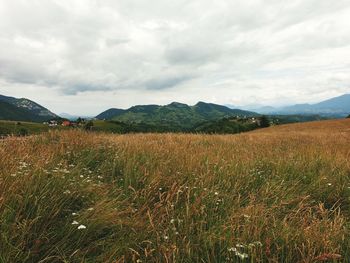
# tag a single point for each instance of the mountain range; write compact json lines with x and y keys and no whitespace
{"x":334,"y":107}
{"x":23,"y":110}
{"x":174,"y":115}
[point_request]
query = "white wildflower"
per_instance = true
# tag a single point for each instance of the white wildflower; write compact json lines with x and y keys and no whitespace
{"x":242,"y":255}
{"x":240,"y":246}
{"x":75,"y":223}
{"x":81,"y":227}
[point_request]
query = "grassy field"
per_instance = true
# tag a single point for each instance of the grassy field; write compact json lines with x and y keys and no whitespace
{"x":280,"y":194}
{"x":21,"y":128}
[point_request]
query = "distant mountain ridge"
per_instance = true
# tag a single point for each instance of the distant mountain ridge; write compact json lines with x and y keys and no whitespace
{"x":334,"y":107}
{"x":174,"y":114}
{"x":23,"y":110}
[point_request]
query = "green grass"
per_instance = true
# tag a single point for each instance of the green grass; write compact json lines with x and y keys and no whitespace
{"x":21,"y":128}
{"x":275,"y":195}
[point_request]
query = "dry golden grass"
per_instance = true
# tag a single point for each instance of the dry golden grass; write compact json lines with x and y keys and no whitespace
{"x":279,"y":194}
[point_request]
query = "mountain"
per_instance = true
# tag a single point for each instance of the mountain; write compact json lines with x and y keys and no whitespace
{"x":339,"y":104}
{"x":176,"y":115}
{"x":73,"y":117}
{"x":11,"y":112}
{"x":334,"y":107}
{"x":23,"y":110}
{"x":109,"y":114}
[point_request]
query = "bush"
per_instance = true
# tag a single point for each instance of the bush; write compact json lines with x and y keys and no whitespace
{"x":23,"y":132}
{"x":264,"y":122}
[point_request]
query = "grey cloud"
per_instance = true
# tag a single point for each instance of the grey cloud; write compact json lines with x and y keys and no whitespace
{"x":145,"y":49}
{"x":166,"y":82}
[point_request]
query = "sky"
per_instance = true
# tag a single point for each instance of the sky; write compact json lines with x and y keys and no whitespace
{"x":85,"y":56}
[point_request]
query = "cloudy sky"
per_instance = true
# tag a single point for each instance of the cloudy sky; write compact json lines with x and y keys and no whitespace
{"x":84,"y":56}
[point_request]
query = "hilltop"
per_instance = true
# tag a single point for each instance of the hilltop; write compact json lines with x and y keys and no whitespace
{"x":23,"y":109}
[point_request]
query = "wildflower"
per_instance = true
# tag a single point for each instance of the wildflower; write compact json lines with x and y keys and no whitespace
{"x":242,"y":255}
{"x":240,"y":245}
{"x":66,"y":192}
{"x":232,"y":249}
{"x":166,"y":237}
{"x":81,"y":227}
{"x":81,"y":176}
{"x":216,"y":193}
{"x":160,"y":188}
{"x":75,"y":223}
{"x":172,"y":221}
{"x":90,"y":209}
{"x":74,"y":214}
{"x":329,"y":184}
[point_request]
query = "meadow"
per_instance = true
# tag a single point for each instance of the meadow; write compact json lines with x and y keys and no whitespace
{"x":21,"y":128}
{"x":280,"y":194}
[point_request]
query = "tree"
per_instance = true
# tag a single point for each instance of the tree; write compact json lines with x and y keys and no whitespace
{"x":88,"y":126}
{"x":264,"y":122}
{"x":348,"y":116}
{"x":80,"y":120}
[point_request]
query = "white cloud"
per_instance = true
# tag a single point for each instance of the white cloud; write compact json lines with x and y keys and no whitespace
{"x":86,"y":56}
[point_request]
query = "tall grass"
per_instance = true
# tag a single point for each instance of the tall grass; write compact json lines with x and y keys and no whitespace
{"x":276,"y":195}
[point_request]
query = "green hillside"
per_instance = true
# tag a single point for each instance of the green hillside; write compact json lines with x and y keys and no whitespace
{"x":175,"y":116}
{"x":23,"y":110}
{"x":227,"y":126}
{"x":11,"y":112}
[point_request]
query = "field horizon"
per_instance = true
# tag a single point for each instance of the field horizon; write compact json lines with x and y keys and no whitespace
{"x":279,"y":194}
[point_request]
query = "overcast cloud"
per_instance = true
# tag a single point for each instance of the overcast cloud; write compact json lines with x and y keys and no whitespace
{"x":84,"y":56}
